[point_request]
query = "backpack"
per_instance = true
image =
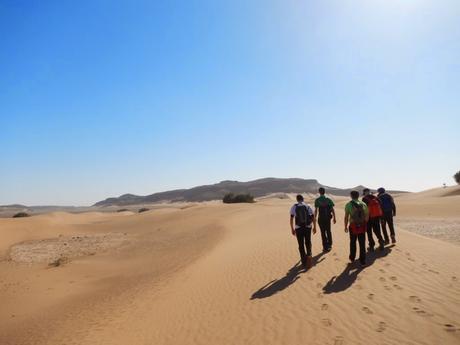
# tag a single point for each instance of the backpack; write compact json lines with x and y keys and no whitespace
{"x":386,"y":201}
{"x":374,"y":207}
{"x":302,"y":217}
{"x":358,"y":217}
{"x":325,"y":209}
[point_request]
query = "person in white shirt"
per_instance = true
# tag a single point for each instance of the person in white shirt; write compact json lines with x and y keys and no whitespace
{"x":302,"y":215}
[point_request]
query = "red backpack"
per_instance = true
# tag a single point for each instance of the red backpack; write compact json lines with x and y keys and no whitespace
{"x":374,"y":208}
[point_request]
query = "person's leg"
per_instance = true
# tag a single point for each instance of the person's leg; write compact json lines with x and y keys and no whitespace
{"x":392,"y":228}
{"x":370,"y":238}
{"x":308,"y":241}
{"x":352,"y":247}
{"x":329,"y":234}
{"x":362,"y":248}
{"x":322,"y":228}
{"x":301,"y":241}
{"x":384,"y":230}
{"x":376,"y":228}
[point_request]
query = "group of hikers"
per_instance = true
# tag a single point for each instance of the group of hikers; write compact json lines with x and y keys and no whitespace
{"x":370,"y":216}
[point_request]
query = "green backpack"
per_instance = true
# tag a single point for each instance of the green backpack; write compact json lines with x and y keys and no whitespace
{"x":358,"y":216}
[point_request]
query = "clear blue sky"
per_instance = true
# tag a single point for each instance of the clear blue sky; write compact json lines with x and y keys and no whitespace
{"x":101,"y":98}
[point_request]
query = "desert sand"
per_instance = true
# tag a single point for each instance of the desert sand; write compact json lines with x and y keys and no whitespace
{"x":227,"y":274}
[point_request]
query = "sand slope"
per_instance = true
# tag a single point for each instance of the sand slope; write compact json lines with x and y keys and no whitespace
{"x":227,"y":274}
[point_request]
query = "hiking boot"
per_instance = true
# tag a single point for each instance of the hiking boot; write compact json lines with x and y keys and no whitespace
{"x":309,"y":262}
{"x":393,"y":239}
{"x":387,"y":241}
{"x":371,"y":249}
{"x":382,"y":246}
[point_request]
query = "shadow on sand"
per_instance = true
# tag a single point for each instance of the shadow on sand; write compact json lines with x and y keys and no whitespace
{"x":350,"y":273}
{"x":291,"y":276}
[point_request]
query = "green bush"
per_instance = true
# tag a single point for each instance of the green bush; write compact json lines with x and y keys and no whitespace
{"x":122,"y":210}
{"x":231,"y":198}
{"x":21,"y":214}
{"x":143,"y":209}
{"x":457,"y":177}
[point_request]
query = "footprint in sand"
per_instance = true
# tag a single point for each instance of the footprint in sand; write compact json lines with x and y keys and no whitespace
{"x":320,"y":295}
{"x":326,"y":322}
{"x":382,"y":326}
{"x":433,"y":271}
{"x":318,"y":285}
{"x":338,"y":340}
{"x":334,"y":254}
{"x":397,"y":287}
{"x":415,"y":299}
{"x":310,"y":278}
{"x":454,"y":278}
{"x":382,"y":270}
{"x":382,"y":279}
{"x":449,"y":328}
{"x":393,"y":278}
{"x":367,"y":310}
{"x":359,"y":287}
{"x":386,"y":287}
{"x":387,"y":264}
{"x":421,"y":312}
{"x":336,"y":259}
{"x":371,"y":296}
{"x":325,"y":306}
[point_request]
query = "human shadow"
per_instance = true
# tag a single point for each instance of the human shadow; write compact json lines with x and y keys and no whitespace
{"x":282,"y":283}
{"x":346,"y":279}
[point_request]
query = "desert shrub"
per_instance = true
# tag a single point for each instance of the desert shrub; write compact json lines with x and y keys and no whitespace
{"x":457,"y":177}
{"x":143,"y":209}
{"x":58,"y":262}
{"x":21,"y":214}
{"x":231,"y":198}
{"x":122,"y":210}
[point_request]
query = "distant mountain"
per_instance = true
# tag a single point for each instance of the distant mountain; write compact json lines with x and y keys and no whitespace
{"x":257,"y":188}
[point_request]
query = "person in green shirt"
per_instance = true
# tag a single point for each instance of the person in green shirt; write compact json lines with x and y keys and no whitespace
{"x":355,"y":221}
{"x":324,"y":212}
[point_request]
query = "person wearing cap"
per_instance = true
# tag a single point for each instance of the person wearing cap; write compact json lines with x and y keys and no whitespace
{"x":324,"y":212}
{"x":301,"y":214}
{"x":375,"y":213}
{"x":389,"y":211}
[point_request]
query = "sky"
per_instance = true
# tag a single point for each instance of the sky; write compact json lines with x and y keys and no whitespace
{"x":105,"y":97}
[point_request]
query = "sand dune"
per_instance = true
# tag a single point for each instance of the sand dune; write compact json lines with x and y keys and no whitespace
{"x":228,"y":274}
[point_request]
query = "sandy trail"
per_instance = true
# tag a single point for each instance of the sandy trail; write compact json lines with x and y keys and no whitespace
{"x":246,"y":288}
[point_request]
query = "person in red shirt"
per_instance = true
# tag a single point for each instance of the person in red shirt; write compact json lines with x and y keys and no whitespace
{"x":375,"y":214}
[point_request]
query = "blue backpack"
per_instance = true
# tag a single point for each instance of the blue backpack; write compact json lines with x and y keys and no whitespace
{"x":386,"y":201}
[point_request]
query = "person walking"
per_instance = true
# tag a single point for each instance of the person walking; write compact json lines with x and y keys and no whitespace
{"x":356,"y":217}
{"x":389,"y":211}
{"x":324,"y":212}
{"x":373,"y":225}
{"x":301,"y":214}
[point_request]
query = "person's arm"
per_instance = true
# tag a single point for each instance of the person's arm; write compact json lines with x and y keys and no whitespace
{"x":314,"y":222}
{"x":292,"y":225}
{"x":333,"y":212}
{"x":345,"y":220}
{"x":316,"y":213}
{"x":393,"y":206}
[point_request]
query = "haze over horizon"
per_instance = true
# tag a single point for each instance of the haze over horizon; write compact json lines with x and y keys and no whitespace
{"x":107,"y":98}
